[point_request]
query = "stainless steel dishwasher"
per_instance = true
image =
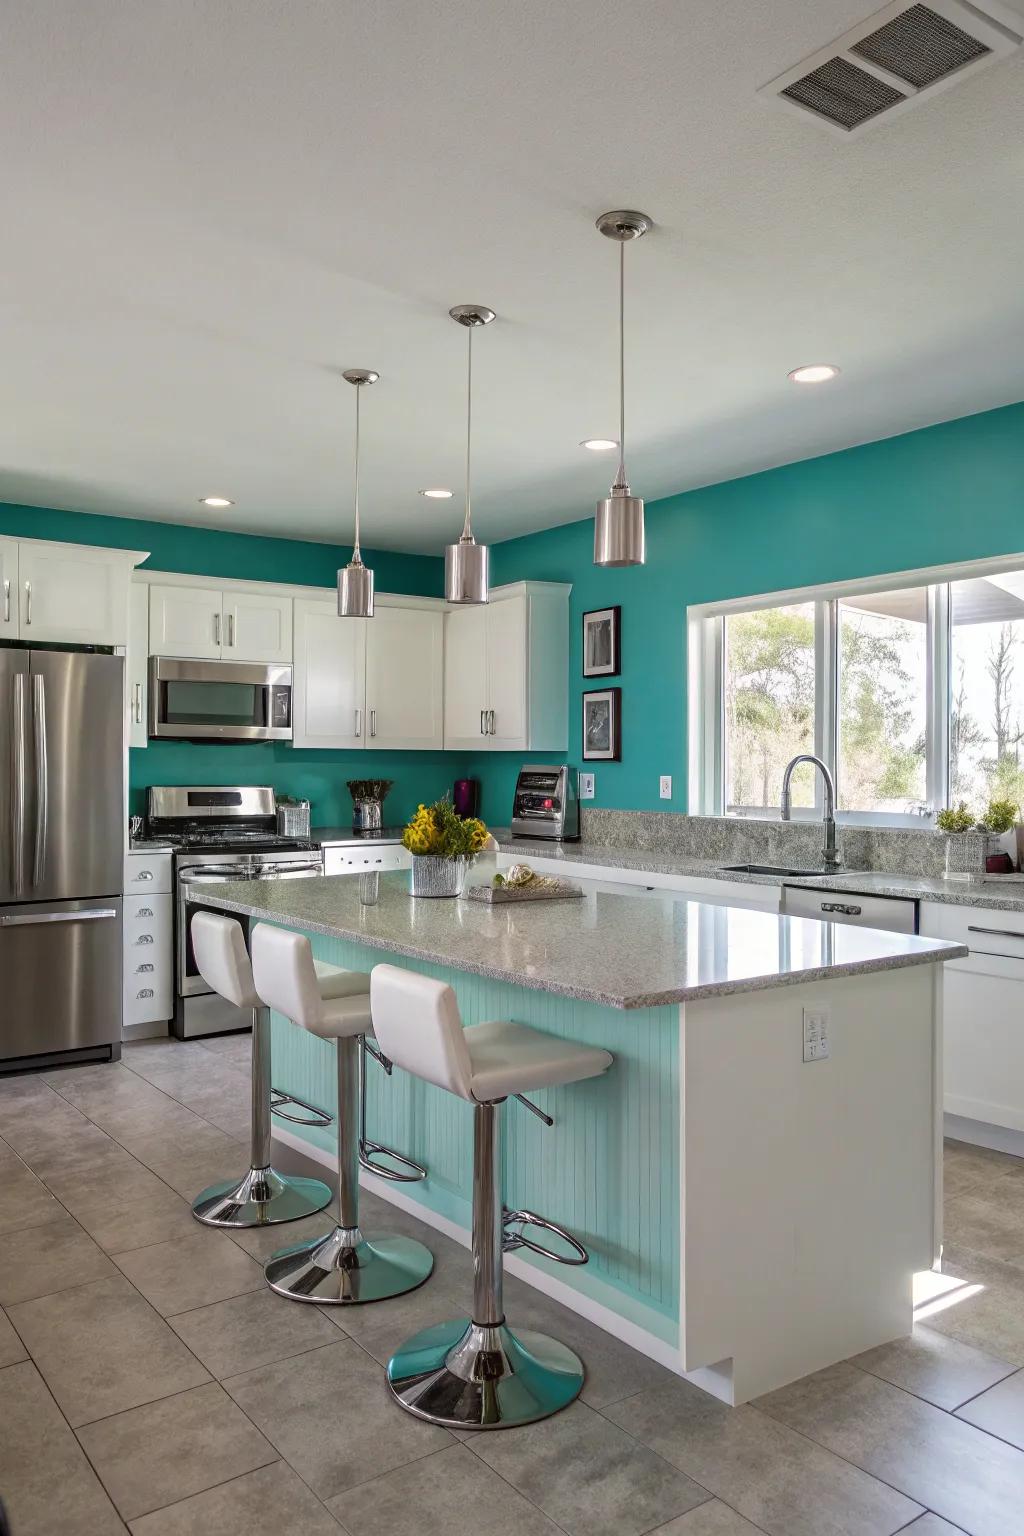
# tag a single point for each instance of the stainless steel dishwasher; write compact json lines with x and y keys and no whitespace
{"x":898,"y":914}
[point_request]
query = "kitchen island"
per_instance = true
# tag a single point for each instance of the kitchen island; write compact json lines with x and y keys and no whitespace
{"x":751,"y":1215}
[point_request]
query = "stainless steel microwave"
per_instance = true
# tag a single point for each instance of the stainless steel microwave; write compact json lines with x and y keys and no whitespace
{"x":219,"y":700}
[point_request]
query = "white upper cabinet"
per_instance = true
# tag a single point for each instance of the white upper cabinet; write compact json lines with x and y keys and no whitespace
{"x":8,"y":589}
{"x":257,"y":627}
{"x":185,"y":621}
{"x":328,"y":681}
{"x":507,"y":671}
{"x":72,"y":594}
{"x":136,"y":671}
{"x":405,"y":678}
{"x":208,"y":622}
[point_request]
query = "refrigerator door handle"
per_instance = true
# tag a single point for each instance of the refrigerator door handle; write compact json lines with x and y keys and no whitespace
{"x":42,"y":774}
{"x":29,"y":919}
{"x":18,"y":782}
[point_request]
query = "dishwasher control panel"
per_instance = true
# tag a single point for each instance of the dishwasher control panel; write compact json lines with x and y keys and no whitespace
{"x":897,"y":914}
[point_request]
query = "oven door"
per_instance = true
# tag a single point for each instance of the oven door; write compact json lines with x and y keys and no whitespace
{"x":219,"y":700}
{"x":190,"y":883}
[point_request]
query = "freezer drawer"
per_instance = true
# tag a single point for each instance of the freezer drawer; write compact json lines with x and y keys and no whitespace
{"x":61,"y":969}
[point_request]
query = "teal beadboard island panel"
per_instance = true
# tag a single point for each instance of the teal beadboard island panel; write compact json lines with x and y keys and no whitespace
{"x":608,"y":1169}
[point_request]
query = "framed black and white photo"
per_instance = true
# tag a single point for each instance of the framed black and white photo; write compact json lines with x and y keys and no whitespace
{"x":602,"y":725}
{"x":601,"y":652}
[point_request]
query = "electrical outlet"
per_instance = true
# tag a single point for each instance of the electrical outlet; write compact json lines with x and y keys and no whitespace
{"x":586,"y":786}
{"x":816,"y":1041}
{"x":666,"y":786}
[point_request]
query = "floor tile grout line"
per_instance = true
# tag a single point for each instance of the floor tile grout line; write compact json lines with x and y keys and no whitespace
{"x":225,"y":1482}
{"x":1014,"y":1371}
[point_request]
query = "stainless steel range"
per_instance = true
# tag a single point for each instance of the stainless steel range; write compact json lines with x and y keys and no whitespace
{"x":218,"y":833}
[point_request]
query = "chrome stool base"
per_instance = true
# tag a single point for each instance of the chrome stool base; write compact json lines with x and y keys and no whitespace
{"x":466,"y":1376}
{"x":261,"y":1199}
{"x":343,"y":1269}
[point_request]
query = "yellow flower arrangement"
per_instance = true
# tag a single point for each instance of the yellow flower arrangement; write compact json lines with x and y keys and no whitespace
{"x":439,"y":829}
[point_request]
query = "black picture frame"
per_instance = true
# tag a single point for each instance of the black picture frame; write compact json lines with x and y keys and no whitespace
{"x":602,"y":728}
{"x":602,"y":642}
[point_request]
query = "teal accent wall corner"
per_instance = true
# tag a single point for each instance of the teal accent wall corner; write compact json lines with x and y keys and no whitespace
{"x":945,"y":493}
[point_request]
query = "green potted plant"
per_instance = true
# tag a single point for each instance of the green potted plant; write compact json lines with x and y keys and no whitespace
{"x":971,"y":840}
{"x":443,"y":845}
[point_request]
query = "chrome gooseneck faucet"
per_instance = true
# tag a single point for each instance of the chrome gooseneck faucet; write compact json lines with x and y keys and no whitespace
{"x":829,"y":853}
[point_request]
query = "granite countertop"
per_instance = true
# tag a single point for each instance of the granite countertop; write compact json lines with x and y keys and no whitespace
{"x":989,"y":893}
{"x":621,"y":950}
{"x":337,"y":837}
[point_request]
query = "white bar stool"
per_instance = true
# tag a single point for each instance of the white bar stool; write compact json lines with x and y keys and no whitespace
{"x":342,"y":1268}
{"x":264,"y":1196}
{"x":475,"y":1373}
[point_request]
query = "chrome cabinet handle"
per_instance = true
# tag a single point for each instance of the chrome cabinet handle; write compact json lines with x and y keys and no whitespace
{"x":42,"y":775}
{"x":138,"y":703}
{"x":144,"y":938}
{"x":141,"y":970}
{"x":231,"y":630}
{"x":216,"y":629}
{"x":996,"y":933}
{"x":490,"y":722}
{"x":373,"y":722}
{"x":843,"y":909}
{"x":359,"y":722}
{"x":18,"y":787}
{"x":28,"y":602}
{"x":145,"y":992}
{"x":483,"y":728}
{"x":7,"y":599}
{"x":29,"y":919}
{"x":144,"y":874}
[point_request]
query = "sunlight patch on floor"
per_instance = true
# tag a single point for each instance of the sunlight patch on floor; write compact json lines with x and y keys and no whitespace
{"x":935,"y":1292}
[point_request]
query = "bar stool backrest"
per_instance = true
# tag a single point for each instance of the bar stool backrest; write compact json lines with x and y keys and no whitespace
{"x":417,"y":1024}
{"x":218,"y":945}
{"x":282,"y":965}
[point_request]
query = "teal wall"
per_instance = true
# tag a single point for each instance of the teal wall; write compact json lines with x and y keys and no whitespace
{"x":318,"y":775}
{"x":950,"y":492}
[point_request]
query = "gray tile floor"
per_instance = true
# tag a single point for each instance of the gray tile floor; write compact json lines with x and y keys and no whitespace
{"x":150,"y":1382}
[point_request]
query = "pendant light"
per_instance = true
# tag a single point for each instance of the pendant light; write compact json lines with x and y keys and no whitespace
{"x":355,"y":582}
{"x":467,"y":563}
{"x":619,"y":519}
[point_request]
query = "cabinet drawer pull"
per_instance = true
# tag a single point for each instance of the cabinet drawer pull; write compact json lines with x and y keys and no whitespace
{"x":145,"y":992}
{"x":144,"y":938}
{"x":144,"y":874}
{"x":996,"y":933}
{"x":144,"y":912}
{"x":842,"y":908}
{"x":144,"y":969}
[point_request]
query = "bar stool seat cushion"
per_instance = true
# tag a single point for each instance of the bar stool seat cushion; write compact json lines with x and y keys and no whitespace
{"x":218,"y":945}
{"x":507,"y":1058}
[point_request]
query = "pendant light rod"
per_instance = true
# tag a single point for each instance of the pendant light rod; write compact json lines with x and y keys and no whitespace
{"x":358,"y":377}
{"x":619,"y":519}
{"x":467,"y":530}
{"x":355,"y":581}
{"x":466,"y":564}
{"x":620,"y":479}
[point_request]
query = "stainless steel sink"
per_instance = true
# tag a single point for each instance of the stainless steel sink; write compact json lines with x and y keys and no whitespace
{"x":770,"y":869}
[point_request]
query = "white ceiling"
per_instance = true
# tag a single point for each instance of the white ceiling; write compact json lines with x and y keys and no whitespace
{"x":211,"y":208}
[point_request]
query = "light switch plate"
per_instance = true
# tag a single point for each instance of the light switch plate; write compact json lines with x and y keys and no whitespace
{"x":665,"y":783}
{"x":816,"y":1041}
{"x":586,"y":786}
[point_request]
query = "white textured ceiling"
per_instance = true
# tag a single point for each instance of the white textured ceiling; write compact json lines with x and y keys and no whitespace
{"x":211,"y":207}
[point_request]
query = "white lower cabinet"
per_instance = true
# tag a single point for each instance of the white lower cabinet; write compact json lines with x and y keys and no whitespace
{"x":148,"y":951}
{"x":983,"y":1012}
{"x":349,"y":860}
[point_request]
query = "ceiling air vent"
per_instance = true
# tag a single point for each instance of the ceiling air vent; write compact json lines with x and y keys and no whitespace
{"x":892,"y":60}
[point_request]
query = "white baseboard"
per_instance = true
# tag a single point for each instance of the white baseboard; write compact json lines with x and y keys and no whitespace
{"x":1000,"y":1138}
{"x":158,"y":1031}
{"x":301,"y":1156}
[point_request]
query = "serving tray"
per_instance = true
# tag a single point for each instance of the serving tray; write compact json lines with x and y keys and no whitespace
{"x":496,"y":896}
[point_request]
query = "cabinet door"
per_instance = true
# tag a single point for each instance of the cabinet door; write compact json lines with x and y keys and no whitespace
{"x":185,"y":621}
{"x":136,"y":672}
{"x":405,"y":678}
{"x":257,"y":627}
{"x":465,"y":677}
{"x":328,"y":678}
{"x":8,"y":589}
{"x":76,"y":596}
{"x":506,"y":674}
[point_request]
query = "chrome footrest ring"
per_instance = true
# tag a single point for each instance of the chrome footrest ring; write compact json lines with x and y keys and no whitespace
{"x":317,"y":1117}
{"x":368,"y":1150}
{"x":512,"y":1240}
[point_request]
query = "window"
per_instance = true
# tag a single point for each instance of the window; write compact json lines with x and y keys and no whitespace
{"x":910,"y":689}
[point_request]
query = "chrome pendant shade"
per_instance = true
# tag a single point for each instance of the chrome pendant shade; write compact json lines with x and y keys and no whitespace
{"x":619,"y":517}
{"x":467,"y":563}
{"x":355,"y":582}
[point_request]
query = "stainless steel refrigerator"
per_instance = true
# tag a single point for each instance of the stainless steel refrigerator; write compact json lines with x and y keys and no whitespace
{"x":61,"y":854}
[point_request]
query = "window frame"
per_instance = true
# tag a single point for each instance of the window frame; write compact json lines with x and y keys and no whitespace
{"x":706,"y":690}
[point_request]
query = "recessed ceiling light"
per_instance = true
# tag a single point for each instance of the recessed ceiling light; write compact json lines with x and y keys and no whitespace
{"x":813,"y":373}
{"x":438,"y":493}
{"x":599,"y":444}
{"x":215,"y":501}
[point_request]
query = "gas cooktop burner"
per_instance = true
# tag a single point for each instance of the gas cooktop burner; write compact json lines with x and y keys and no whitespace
{"x":231,"y":839}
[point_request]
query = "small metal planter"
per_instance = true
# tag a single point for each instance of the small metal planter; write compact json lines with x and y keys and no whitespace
{"x":434,"y":875}
{"x":966,"y":853}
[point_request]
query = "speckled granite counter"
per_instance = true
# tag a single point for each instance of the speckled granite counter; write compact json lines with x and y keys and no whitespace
{"x":987,"y":894}
{"x":622,"y":951}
